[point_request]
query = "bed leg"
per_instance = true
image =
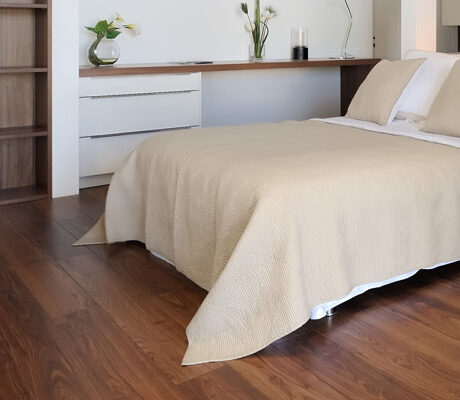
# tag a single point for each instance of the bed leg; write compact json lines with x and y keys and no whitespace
{"x":330,"y":312}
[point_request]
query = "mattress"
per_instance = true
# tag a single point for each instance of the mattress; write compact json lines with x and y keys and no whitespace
{"x":407,"y":128}
{"x":276,"y":221}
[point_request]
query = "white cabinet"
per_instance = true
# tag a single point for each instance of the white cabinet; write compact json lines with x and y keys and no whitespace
{"x":138,"y":113}
{"x":95,"y":159}
{"x":118,"y":113}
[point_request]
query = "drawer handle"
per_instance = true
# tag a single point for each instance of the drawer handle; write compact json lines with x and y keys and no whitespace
{"x":108,"y":96}
{"x":140,"y":132}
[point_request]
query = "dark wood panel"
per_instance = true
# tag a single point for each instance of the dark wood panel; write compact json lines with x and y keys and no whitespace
{"x":22,"y":132}
{"x":171,"y":68}
{"x":21,"y":194}
{"x":17,"y":161}
{"x":17,"y":100}
{"x":17,"y":37}
{"x":351,"y":78}
{"x":25,"y":100}
{"x":22,"y":4}
{"x":22,"y":70}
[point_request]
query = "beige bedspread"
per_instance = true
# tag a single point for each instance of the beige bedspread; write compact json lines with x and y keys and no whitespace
{"x":275,"y":219}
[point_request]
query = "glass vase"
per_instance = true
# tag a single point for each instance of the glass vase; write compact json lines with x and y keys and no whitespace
{"x":256,"y":54}
{"x":104,"y":52}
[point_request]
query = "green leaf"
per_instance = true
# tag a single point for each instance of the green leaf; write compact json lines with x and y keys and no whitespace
{"x":112,"y":34}
{"x":102,"y":27}
{"x":91,"y":29}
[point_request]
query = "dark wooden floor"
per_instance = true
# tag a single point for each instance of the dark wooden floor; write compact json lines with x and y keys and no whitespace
{"x":108,"y":322}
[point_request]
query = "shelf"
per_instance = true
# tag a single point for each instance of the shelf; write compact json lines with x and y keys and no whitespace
{"x":178,"y":68}
{"x":24,"y":5}
{"x":25,"y":100}
{"x":22,"y":132}
{"x":22,"y":70}
{"x":19,"y":195}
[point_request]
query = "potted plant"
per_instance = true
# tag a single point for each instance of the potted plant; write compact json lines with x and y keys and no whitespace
{"x":258,"y":28}
{"x":105,"y":50}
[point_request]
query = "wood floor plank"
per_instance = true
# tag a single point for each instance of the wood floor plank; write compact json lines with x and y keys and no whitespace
{"x":141,"y":317}
{"x":344,"y":370}
{"x":123,"y":367}
{"x":113,"y":358}
{"x":37,"y":368}
{"x":223,"y":384}
{"x":390,"y":356}
{"x":277,"y":376}
{"x":413,"y":334}
{"x":108,"y":322}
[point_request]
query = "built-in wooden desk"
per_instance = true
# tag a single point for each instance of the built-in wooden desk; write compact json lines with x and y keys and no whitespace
{"x":174,"y":68}
{"x":353,"y":72}
{"x":122,"y":105}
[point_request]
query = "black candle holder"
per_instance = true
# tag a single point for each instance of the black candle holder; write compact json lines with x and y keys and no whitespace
{"x":300,"y":53}
{"x":299,"y":43}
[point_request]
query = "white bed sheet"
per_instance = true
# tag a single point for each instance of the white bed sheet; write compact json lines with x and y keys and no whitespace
{"x":399,"y":128}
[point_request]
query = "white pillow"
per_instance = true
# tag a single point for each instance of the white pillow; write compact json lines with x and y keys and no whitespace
{"x":419,"y":95}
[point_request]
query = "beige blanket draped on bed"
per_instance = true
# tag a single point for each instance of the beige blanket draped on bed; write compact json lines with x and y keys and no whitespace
{"x":275,"y":219}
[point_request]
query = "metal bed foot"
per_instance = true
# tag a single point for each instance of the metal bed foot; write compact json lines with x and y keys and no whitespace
{"x":330,"y":312}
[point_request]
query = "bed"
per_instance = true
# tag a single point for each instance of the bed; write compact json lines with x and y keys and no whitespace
{"x":282,"y":222}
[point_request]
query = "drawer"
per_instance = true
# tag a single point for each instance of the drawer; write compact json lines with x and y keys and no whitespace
{"x":138,"y":84}
{"x":104,"y":155}
{"x":139,"y":113}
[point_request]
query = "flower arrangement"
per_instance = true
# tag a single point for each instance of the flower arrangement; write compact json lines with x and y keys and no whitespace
{"x":259,"y":27}
{"x":108,"y":30}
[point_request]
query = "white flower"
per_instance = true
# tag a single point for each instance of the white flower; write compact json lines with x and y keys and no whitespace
{"x":119,"y":17}
{"x":269,"y":13}
{"x":249,"y":27}
{"x":117,"y":24}
{"x":135,"y":28}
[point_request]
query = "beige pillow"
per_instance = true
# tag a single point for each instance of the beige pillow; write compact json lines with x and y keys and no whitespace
{"x":444,"y":116}
{"x":378,"y":98}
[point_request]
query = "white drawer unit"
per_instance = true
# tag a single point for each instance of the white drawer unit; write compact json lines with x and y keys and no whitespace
{"x":138,"y":113}
{"x":118,"y":113}
{"x":138,"y":84}
{"x":96,"y":159}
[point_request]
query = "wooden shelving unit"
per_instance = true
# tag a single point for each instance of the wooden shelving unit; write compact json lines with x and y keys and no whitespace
{"x":25,"y":100}
{"x":23,"y":5}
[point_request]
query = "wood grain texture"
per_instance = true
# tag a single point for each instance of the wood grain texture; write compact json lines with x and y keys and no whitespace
{"x":351,"y":78}
{"x":17,"y":100}
{"x":171,"y":68}
{"x":25,"y":100}
{"x":17,"y":37}
{"x":17,"y":163}
{"x":22,"y":132}
{"x":23,"y":6}
{"x":108,"y":322}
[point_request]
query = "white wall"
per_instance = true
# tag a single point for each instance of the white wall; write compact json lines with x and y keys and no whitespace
{"x":65,"y":98}
{"x":387,"y":29}
{"x":214,"y":30}
{"x":176,"y":30}
{"x":246,"y":97}
{"x":403,"y":25}
{"x":205,"y":29}
{"x":419,"y":25}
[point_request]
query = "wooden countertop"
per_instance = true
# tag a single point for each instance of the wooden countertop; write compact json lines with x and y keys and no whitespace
{"x":177,"y":68}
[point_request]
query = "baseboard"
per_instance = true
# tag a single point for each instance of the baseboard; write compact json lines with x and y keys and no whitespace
{"x":96,"y":180}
